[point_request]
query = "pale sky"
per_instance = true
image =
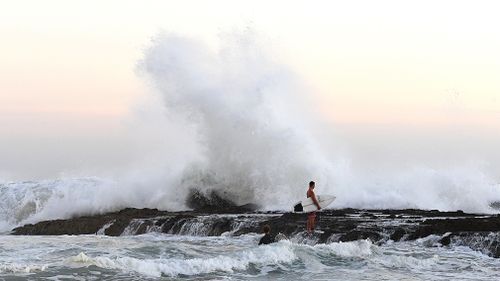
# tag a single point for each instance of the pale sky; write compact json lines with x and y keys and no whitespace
{"x":67,"y":68}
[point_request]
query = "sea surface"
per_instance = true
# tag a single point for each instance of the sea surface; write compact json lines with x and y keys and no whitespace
{"x":192,"y":255}
{"x":161,"y":256}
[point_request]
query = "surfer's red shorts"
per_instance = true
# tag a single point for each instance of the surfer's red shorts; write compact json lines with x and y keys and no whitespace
{"x":311,"y":215}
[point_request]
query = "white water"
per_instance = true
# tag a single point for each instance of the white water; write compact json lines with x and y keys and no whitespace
{"x":242,"y":124}
{"x":244,"y":109}
{"x":234,"y":258}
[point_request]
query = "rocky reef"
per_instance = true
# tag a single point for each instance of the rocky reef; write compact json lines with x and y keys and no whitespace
{"x":477,"y":231}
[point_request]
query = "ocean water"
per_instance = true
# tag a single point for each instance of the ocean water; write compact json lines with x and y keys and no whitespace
{"x":243,"y":126}
{"x":195,"y":256}
{"x":181,"y":257}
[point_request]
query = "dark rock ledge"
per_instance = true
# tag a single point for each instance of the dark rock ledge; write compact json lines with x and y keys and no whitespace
{"x":477,"y":231}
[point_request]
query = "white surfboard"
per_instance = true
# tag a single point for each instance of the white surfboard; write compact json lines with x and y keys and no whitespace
{"x":307,"y":205}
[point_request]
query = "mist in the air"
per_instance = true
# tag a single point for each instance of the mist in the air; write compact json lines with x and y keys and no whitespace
{"x":234,"y":118}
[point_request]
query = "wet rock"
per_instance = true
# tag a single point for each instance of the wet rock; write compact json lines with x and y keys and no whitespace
{"x":368,"y":215}
{"x":480,"y":232}
{"x":440,"y":226}
{"x":398,"y":233}
{"x":116,"y":229}
{"x":60,"y":227}
{"x":446,"y":239}
{"x":220,"y":227}
{"x":358,"y":235}
{"x":421,"y":232}
{"x":174,"y":225}
{"x":486,"y":242}
{"x":88,"y":224}
{"x":288,"y":223}
{"x":214,"y":202}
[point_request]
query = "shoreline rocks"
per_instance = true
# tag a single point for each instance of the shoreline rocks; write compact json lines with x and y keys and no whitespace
{"x":335,"y":225}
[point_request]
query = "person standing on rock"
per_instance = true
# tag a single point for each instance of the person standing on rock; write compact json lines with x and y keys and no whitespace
{"x":311,"y":216}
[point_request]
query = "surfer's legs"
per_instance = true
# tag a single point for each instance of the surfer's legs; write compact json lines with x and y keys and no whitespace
{"x":311,"y":217}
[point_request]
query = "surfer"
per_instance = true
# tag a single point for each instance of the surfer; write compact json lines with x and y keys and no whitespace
{"x":266,"y":239}
{"x":311,"y":216}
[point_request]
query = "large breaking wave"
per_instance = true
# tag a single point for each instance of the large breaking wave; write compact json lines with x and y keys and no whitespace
{"x":247,"y":117}
{"x":241,"y":123}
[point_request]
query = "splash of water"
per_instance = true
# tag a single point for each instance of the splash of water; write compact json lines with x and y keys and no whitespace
{"x":238,"y":123}
{"x":246,"y":109}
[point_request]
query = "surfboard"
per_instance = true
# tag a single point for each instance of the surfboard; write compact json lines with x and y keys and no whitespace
{"x":307,"y":205}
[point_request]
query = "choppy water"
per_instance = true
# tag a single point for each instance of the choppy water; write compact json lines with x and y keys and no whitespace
{"x":170,"y":257}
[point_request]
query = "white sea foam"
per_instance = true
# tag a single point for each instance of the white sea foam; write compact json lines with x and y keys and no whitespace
{"x":25,"y":202}
{"x":234,"y":257}
{"x":21,"y":268}
{"x":360,"y":248}
{"x":409,"y":262}
{"x":238,"y":122}
{"x":254,"y":133}
{"x":33,"y":201}
{"x":102,"y":230}
{"x":173,"y":267}
{"x":246,"y":114}
{"x":283,"y":252}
